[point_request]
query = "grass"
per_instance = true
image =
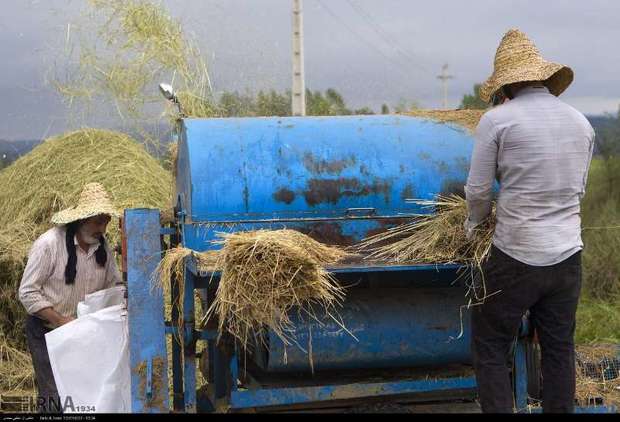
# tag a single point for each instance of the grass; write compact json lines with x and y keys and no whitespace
{"x":598,"y":315}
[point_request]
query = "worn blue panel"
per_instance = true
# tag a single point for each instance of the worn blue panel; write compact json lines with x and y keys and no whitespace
{"x":342,"y":232}
{"x":262,"y":168}
{"x":579,"y":409}
{"x":147,"y":345}
{"x":354,"y":268}
{"x":189,"y":345}
{"x":394,"y":328}
{"x":520,"y":376}
{"x":288,"y":396}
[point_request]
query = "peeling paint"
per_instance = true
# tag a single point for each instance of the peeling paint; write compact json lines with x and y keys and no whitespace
{"x":331,"y":190}
{"x":320,"y":166}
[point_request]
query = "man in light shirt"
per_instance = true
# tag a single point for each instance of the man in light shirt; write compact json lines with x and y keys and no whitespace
{"x":65,"y":264}
{"x":539,"y":150}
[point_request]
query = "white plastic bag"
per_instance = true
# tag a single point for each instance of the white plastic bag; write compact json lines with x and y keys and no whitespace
{"x":90,"y":361}
{"x":101,"y":299}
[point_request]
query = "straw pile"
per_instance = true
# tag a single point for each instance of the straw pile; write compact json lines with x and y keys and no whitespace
{"x":16,"y":369}
{"x":432,"y":238}
{"x":49,"y":179}
{"x":266,"y":274}
{"x":466,"y":117}
{"x":598,"y":374}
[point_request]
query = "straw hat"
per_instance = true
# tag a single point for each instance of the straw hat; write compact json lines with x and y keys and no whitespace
{"x":518,"y":60}
{"x":94,"y":200}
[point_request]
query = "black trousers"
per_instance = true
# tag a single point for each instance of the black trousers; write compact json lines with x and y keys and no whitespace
{"x":551,"y":294}
{"x":47,"y":400}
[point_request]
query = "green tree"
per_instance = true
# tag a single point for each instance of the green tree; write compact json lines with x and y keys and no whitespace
{"x":316,"y":104}
{"x":233,"y":104}
{"x":364,"y":110}
{"x":273,"y":104}
{"x":385,"y":109}
{"x":329,"y":104}
{"x":473,"y":101}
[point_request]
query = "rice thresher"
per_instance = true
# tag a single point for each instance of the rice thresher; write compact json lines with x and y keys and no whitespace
{"x":339,"y":180}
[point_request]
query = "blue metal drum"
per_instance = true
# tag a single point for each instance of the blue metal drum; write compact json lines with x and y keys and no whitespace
{"x":387,"y":328}
{"x":340,"y":178}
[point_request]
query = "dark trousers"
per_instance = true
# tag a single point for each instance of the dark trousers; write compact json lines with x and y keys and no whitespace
{"x":551,"y":295}
{"x":47,"y":400}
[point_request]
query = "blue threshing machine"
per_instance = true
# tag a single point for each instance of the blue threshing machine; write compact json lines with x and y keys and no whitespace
{"x":339,"y":180}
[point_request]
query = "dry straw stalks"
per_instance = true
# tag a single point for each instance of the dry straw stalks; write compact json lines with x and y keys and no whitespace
{"x":120,"y":52}
{"x":598,"y":374}
{"x":16,"y":371}
{"x":264,"y":275}
{"x":467,"y":118}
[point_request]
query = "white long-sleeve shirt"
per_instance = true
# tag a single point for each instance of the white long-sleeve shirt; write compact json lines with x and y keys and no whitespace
{"x":539,"y":149}
{"x":43,"y":283}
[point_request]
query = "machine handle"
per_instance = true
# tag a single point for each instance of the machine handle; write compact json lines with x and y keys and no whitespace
{"x":359,"y":212}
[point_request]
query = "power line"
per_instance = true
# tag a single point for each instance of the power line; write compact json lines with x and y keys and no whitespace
{"x":385,"y":36}
{"x":351,"y":30}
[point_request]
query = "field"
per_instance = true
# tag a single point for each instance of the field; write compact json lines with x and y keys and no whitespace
{"x":598,"y":316}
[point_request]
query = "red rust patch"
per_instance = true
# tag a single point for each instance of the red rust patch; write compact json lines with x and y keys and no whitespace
{"x":284,"y":195}
{"x":331,"y":190}
{"x":327,"y":233}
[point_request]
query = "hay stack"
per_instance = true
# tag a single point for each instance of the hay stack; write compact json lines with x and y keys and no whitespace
{"x":49,"y":179}
{"x":467,"y":118}
{"x":266,"y":274}
{"x":16,"y":369}
{"x":432,"y":238}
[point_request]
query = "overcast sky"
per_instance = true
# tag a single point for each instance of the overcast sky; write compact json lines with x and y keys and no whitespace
{"x":372,"y":51}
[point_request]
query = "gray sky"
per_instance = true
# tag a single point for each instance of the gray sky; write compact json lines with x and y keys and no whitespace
{"x":372,"y":51}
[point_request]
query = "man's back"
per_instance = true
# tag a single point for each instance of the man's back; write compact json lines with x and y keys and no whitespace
{"x":544,"y":147}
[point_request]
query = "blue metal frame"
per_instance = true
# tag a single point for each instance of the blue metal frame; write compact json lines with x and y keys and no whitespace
{"x":301,"y":395}
{"x":147,"y":339}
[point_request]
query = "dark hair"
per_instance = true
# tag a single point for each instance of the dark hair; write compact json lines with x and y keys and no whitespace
{"x":101,"y":256}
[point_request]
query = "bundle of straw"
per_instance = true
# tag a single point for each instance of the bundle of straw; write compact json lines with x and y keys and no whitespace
{"x":265,"y":275}
{"x":466,"y":117}
{"x":432,"y":238}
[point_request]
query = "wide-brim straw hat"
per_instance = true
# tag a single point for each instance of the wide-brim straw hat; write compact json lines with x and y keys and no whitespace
{"x":94,"y":200}
{"x":518,"y":60}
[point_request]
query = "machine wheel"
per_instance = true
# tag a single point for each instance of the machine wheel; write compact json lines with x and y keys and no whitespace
{"x":534,"y":371}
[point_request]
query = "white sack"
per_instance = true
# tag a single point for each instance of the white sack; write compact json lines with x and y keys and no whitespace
{"x":101,"y":299}
{"x":90,"y":361}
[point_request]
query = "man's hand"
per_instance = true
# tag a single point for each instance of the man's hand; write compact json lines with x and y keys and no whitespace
{"x":470,"y":229}
{"x":53,"y":317}
{"x":63,"y":320}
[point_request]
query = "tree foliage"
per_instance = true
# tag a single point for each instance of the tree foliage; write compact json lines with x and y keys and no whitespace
{"x":273,"y":103}
{"x":473,"y":101}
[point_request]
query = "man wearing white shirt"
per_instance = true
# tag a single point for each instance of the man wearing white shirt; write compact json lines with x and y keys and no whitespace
{"x":539,"y":149}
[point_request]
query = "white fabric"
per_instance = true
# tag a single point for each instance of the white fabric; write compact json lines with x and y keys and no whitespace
{"x":90,"y":361}
{"x":102,"y":299}
{"x":539,"y":149}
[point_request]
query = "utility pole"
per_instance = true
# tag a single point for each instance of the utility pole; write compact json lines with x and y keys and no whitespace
{"x":299,"y":84}
{"x":444,"y":77}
